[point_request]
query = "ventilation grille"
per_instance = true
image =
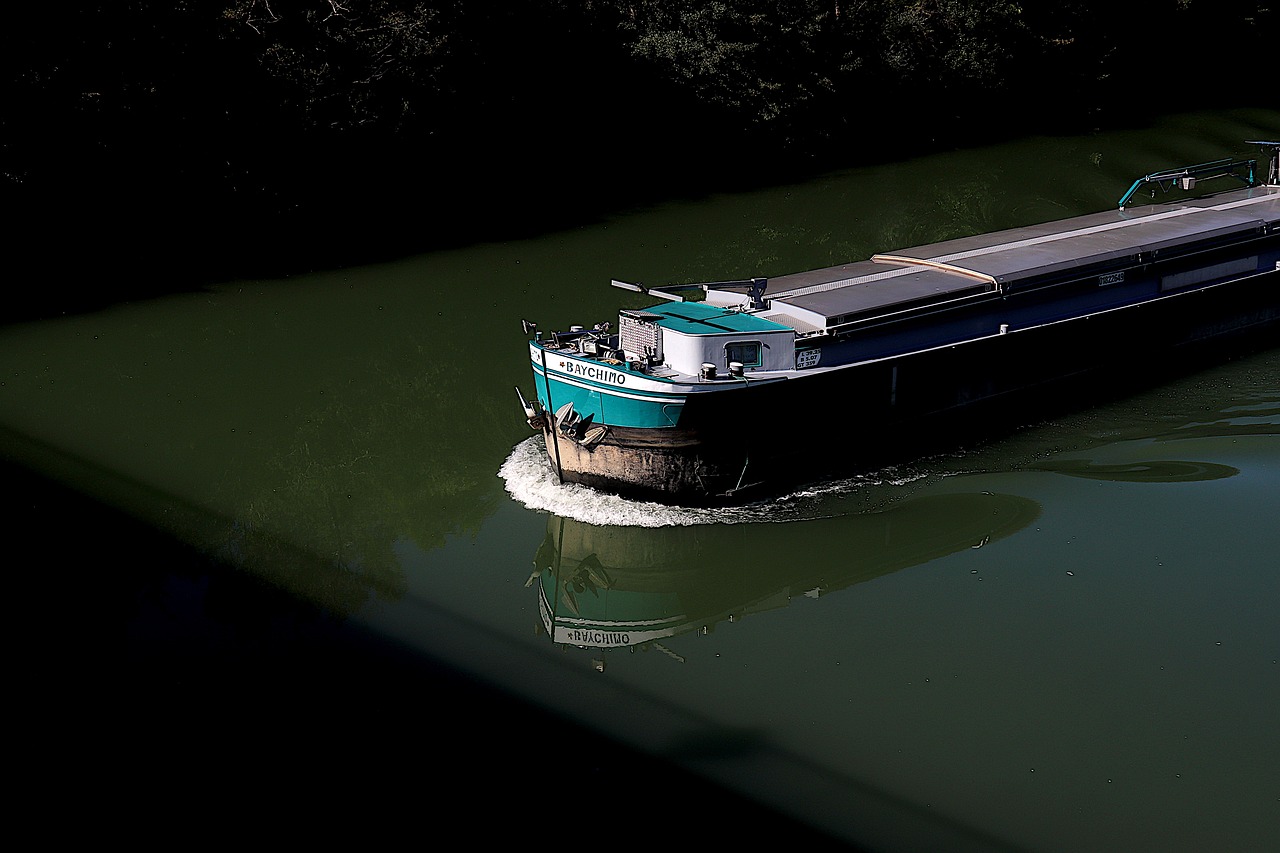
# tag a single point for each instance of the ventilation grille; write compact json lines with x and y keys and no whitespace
{"x":640,"y":335}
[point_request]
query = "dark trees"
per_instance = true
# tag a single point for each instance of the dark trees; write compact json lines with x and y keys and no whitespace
{"x":330,"y":130}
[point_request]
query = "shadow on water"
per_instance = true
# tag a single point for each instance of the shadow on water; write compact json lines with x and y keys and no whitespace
{"x":204,"y":670}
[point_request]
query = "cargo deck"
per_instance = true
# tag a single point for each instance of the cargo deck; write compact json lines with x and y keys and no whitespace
{"x":1003,"y":262}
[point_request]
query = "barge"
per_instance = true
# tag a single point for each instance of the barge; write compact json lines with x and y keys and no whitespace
{"x":722,"y":391}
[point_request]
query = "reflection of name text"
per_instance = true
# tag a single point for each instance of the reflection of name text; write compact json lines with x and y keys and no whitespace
{"x":597,"y":638}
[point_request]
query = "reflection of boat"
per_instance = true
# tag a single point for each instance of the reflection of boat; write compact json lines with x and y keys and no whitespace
{"x":610,"y":587}
{"x":729,"y":386}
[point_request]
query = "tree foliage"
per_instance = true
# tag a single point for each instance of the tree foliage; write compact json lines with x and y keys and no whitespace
{"x":322,"y":116}
{"x":354,"y":62}
{"x":759,"y":60}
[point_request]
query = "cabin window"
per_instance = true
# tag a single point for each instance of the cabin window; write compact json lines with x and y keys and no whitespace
{"x":747,"y":352}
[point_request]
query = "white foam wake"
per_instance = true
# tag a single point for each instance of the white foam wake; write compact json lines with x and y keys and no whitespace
{"x":530,"y":480}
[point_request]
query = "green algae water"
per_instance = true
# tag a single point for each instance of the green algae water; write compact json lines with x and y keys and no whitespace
{"x":1061,"y":637}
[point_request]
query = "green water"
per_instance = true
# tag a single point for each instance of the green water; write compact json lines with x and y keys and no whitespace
{"x":1062,"y":639}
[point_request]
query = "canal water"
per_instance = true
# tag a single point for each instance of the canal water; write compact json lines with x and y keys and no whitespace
{"x":1063,"y":635}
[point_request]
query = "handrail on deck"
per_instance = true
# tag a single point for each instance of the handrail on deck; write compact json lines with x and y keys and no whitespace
{"x":1186,"y":177}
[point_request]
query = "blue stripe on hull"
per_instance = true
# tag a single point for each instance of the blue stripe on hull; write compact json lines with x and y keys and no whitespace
{"x":608,"y":405}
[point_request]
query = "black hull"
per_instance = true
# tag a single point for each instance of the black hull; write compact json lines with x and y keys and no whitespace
{"x":747,"y":444}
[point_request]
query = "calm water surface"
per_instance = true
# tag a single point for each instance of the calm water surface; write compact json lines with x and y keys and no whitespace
{"x":1062,"y":638}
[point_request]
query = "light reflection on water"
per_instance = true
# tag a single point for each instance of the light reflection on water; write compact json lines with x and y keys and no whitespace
{"x":619,"y":586}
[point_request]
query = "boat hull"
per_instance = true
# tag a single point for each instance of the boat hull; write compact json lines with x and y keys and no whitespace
{"x":746,"y":442}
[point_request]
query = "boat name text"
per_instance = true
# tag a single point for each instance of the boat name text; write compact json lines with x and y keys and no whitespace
{"x":590,"y":371}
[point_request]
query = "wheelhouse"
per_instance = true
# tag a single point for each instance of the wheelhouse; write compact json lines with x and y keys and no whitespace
{"x":697,"y":339}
